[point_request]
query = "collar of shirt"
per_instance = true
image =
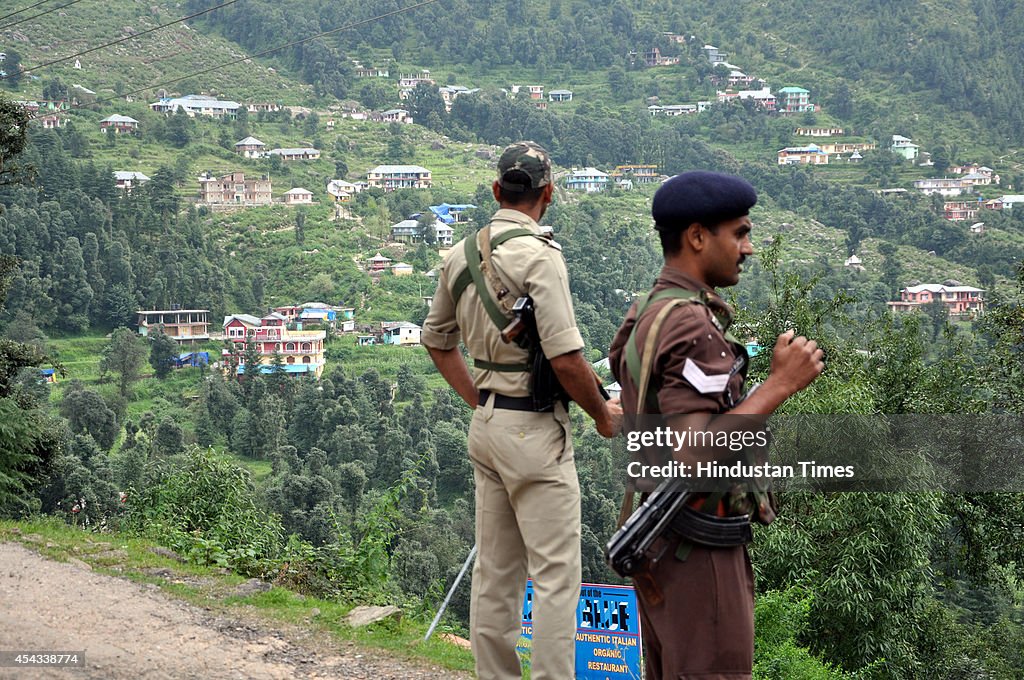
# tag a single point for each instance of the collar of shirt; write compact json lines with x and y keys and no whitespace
{"x":670,"y":277}
{"x":517,"y":218}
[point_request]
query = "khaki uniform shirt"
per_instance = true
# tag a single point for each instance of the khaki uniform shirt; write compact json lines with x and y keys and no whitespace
{"x":527,"y":266}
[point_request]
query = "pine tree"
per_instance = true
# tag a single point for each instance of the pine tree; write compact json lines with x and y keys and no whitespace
{"x":13,"y":127}
{"x":163,"y":350}
{"x":124,"y":355}
{"x":72,"y":293}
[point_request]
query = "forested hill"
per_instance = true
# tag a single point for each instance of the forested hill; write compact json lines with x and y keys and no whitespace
{"x":901,"y":56}
{"x":361,"y":485}
{"x":870,"y":62}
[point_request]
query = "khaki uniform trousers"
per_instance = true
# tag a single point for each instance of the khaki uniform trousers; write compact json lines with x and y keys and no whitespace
{"x":527,"y":522}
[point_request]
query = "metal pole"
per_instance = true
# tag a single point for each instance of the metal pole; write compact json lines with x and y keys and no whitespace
{"x":451,"y":591}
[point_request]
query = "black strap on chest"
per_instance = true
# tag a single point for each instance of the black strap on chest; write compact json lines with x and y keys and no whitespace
{"x":475,"y":275}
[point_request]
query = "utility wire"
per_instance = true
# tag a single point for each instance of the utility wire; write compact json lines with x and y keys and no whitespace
{"x":24,"y":9}
{"x":21,"y":21}
{"x":346,"y":27}
{"x":127,"y":38}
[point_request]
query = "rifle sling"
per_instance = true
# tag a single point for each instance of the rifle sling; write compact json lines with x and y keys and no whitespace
{"x":645,"y":374}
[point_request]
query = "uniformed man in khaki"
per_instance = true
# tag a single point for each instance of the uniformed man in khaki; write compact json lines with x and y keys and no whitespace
{"x":527,"y":492}
{"x":697,"y":602}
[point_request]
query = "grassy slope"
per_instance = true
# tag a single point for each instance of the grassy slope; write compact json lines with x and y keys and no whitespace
{"x":807,"y":241}
{"x":361,"y":144}
{"x":146,"y":62}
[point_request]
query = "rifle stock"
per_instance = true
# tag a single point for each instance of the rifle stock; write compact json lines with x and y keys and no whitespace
{"x":625,"y":552}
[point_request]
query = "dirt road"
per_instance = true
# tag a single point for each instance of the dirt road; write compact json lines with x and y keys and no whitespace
{"x":131,"y":630}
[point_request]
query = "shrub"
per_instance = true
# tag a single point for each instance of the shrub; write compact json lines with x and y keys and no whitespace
{"x":206,"y":510}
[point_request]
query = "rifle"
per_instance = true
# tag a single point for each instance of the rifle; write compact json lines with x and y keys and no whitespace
{"x":667,"y":508}
{"x":545,"y":387}
{"x":625,"y":552}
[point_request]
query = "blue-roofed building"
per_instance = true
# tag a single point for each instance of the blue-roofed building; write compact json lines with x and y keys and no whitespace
{"x":317,"y":315}
{"x":194,"y":359}
{"x":802,"y":155}
{"x":48,"y":374}
{"x":450,"y":214}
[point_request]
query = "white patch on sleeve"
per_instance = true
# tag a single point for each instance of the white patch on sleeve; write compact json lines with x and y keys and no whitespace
{"x":701,"y":381}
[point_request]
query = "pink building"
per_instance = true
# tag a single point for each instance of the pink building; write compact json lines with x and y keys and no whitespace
{"x":960,"y":301}
{"x":379,"y":263}
{"x":301,"y":352}
{"x":960,"y":210}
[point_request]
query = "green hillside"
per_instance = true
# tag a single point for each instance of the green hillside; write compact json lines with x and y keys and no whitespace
{"x":361,"y":488}
{"x":934,"y":71}
{"x":139,"y":65}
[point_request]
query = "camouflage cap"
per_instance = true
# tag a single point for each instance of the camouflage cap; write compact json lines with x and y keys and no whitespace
{"x":523,"y":166}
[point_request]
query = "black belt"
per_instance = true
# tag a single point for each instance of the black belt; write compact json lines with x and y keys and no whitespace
{"x":508,"y":403}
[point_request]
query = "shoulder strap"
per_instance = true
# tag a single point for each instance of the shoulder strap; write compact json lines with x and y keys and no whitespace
{"x":465,"y":277}
{"x":497,"y":285}
{"x":509,"y":234}
{"x":722,"y":321}
{"x":647,"y":359}
{"x":639,"y":366}
{"x":475,"y":275}
{"x":473,"y":264}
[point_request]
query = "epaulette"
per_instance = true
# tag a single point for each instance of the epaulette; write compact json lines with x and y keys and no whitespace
{"x":546,"y":237}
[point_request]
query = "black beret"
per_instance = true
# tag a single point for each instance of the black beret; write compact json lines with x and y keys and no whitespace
{"x":701,"y":196}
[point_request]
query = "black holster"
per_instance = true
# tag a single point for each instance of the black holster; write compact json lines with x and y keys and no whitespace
{"x":545,"y":389}
{"x":711,"y":531}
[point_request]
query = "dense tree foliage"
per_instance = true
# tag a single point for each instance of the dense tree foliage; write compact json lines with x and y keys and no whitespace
{"x":30,"y":440}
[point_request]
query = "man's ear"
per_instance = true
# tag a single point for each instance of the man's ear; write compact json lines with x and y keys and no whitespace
{"x":694,"y":236}
{"x":549,"y":191}
{"x":496,"y":190}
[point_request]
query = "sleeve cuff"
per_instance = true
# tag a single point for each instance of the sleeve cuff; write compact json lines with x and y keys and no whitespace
{"x":563,"y":342}
{"x":437,"y":340}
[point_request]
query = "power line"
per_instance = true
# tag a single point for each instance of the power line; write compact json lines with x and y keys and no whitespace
{"x":24,"y":9}
{"x":271,"y":50}
{"x":21,"y":21}
{"x":125,"y":39}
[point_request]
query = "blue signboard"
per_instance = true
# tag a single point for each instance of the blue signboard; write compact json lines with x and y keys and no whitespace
{"x":607,"y":632}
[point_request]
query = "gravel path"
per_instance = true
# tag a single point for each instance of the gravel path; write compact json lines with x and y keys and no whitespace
{"x":132,"y":630}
